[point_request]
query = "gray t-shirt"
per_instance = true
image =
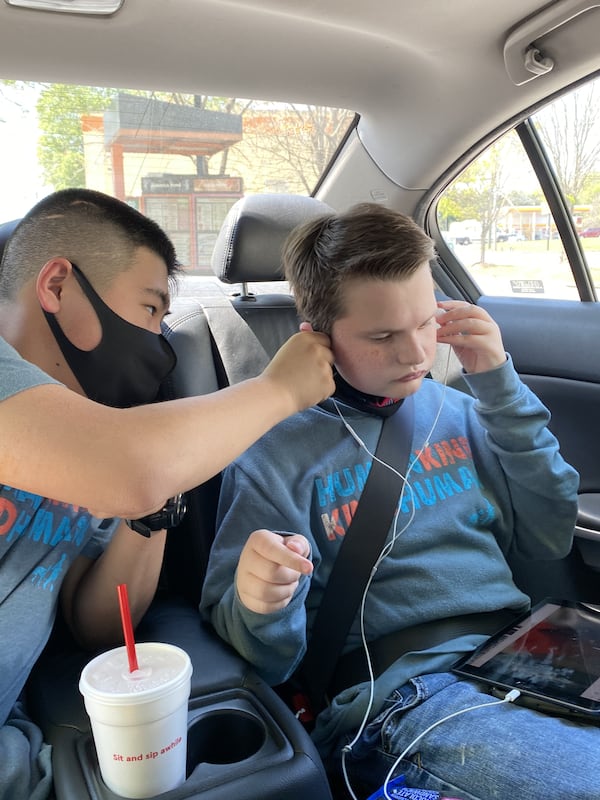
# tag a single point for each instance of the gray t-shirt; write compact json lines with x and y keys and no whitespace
{"x":16,"y":374}
{"x":39,"y":540}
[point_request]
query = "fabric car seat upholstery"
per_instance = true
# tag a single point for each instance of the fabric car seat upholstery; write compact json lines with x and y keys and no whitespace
{"x":6,"y":229}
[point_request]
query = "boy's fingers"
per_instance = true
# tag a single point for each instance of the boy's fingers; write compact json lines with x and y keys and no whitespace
{"x":276,"y":548}
{"x":299,"y":544}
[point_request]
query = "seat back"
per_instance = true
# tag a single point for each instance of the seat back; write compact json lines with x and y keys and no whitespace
{"x":248,"y":250}
{"x":6,"y":229}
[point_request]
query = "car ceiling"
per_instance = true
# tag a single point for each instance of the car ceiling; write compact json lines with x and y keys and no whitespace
{"x":428,"y":78}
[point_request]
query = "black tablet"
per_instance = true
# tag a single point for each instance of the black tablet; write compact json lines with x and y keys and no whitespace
{"x":551,"y":655}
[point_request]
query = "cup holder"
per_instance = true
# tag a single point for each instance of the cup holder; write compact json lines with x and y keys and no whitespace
{"x":224,"y":736}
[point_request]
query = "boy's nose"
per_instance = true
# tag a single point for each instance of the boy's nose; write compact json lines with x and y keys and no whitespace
{"x":412,"y":353}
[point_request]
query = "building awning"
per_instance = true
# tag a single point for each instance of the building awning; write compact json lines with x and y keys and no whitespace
{"x":145,"y":125}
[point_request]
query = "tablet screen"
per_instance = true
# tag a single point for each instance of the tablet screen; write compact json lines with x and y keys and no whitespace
{"x":552,"y":653}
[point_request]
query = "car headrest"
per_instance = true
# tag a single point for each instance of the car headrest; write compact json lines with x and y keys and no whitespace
{"x":249,"y":245}
{"x":6,"y":228}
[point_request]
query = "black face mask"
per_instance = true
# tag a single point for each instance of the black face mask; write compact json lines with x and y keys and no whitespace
{"x":127,"y":367}
{"x":380,"y":406}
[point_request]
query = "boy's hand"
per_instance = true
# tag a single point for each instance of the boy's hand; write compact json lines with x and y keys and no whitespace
{"x":473,"y":335}
{"x":303,"y":367}
{"x":269,"y":569}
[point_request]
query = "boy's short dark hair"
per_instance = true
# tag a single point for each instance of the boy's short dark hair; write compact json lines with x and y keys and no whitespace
{"x":93,"y":230}
{"x":367,"y":241}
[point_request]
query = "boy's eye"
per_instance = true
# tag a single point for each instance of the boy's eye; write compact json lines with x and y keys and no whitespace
{"x":428,"y":323}
{"x":151,"y":310}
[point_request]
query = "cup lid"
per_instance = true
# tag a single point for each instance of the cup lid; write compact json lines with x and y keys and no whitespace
{"x":161,"y":666}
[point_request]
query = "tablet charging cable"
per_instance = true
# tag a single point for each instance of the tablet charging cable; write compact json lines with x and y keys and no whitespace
{"x":509,"y":697}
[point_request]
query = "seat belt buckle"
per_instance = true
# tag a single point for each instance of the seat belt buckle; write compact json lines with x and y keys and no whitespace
{"x":300,"y":705}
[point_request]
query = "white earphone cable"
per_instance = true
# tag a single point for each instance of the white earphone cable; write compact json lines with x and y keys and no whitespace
{"x":509,"y":697}
{"x":385,"y":550}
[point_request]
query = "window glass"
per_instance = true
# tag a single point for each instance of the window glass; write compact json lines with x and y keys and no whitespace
{"x":496,"y":219}
{"x":570,"y":130}
{"x":181,"y":159}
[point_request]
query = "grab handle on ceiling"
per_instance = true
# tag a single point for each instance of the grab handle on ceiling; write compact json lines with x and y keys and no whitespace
{"x":524,"y":58}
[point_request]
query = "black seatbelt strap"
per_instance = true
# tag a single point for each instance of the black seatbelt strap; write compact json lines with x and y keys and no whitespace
{"x":242,"y":354}
{"x":362,"y":545}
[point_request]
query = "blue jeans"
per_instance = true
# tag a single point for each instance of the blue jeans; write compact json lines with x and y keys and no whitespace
{"x":505,"y":752}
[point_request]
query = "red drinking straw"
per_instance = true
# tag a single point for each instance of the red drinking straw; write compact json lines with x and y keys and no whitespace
{"x":127,"y":626}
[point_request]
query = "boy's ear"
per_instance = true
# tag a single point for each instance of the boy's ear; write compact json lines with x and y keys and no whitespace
{"x":50,"y":282}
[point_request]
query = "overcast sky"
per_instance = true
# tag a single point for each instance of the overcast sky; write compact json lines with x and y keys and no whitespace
{"x":22,"y":185}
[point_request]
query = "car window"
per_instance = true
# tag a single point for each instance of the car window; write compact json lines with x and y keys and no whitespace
{"x":509,"y":215}
{"x":181,"y":159}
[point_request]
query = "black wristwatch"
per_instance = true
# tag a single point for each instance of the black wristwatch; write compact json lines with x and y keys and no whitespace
{"x":168,"y":516}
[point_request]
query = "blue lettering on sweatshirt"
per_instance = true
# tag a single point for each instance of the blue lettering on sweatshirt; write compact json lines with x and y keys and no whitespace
{"x":443,"y":470}
{"x":334,"y":486}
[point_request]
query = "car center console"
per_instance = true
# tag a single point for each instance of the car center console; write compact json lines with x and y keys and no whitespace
{"x":243,"y":741}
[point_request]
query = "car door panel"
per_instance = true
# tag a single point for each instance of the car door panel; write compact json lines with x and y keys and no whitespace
{"x":554,"y":348}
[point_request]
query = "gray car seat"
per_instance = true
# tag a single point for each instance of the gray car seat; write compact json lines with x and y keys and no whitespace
{"x":6,"y":229}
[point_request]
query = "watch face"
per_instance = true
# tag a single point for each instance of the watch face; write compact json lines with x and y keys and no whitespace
{"x":169,"y":516}
{"x":173,"y":511}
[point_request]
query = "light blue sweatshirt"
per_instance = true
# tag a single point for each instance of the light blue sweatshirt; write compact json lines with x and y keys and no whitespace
{"x":491,"y":482}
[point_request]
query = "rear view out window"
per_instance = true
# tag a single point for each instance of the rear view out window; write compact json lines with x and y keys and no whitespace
{"x":495,"y":215}
{"x":181,"y":159}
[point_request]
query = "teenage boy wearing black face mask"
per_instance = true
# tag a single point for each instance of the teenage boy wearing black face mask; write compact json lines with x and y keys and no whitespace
{"x":84,"y":286}
{"x":83,"y":289}
{"x":101,"y":294}
{"x":91,"y":287}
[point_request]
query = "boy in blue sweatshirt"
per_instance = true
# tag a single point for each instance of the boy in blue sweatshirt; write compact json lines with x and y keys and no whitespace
{"x":485,"y":480}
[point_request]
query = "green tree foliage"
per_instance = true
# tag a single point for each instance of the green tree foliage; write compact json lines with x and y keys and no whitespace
{"x":518,"y":197}
{"x":60,"y":149}
{"x":590,"y":193}
{"x":485,"y":188}
{"x":449,"y":209}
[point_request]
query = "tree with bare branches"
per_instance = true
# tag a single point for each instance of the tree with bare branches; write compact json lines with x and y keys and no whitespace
{"x":570,"y":130}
